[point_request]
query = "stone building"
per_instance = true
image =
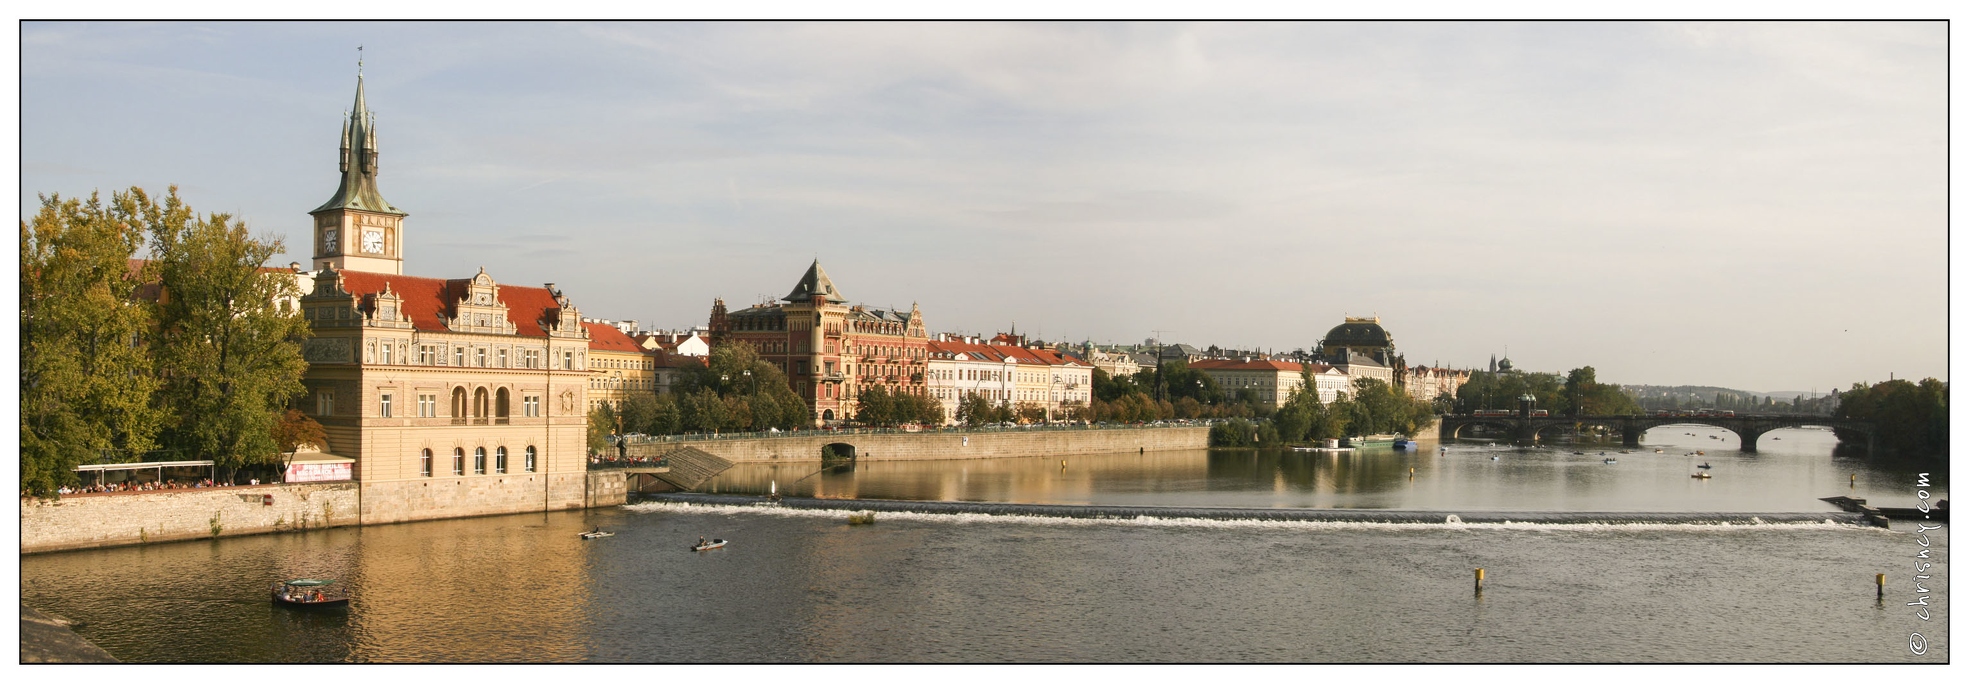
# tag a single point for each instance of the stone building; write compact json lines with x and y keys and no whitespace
{"x":618,"y":365}
{"x":1272,"y":382}
{"x":830,"y":351}
{"x":1361,"y":348}
{"x":455,"y":396}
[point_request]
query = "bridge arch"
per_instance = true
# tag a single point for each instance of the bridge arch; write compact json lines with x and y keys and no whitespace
{"x":1456,"y":429}
{"x":837,"y":451}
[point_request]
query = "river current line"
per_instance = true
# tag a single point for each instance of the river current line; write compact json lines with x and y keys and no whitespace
{"x":1371,"y":516}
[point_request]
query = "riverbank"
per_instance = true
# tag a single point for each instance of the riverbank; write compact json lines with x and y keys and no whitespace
{"x":936,"y":446}
{"x":87,"y":521}
{"x":48,"y":639}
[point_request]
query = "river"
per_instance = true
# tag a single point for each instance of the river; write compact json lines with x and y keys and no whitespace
{"x":805,"y":586}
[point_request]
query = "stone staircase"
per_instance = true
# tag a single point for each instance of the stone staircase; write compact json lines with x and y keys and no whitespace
{"x":690,"y":468}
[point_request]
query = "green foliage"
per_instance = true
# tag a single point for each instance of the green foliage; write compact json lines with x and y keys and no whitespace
{"x":1378,"y":408}
{"x":878,"y":406}
{"x":974,"y":410}
{"x":1108,"y":388}
{"x":1585,"y":396}
{"x":601,"y":424}
{"x":1910,"y":418}
{"x":734,"y":390}
{"x":1501,"y":390}
{"x":1238,"y":432}
{"x":226,"y":347}
{"x":86,"y":381}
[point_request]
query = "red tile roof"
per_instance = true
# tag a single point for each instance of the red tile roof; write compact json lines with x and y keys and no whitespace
{"x":429,"y":301}
{"x":605,"y":337}
{"x":1252,"y":365}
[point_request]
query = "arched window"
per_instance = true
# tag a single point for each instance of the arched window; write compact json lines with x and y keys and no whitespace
{"x":499,"y":460}
{"x":529,"y":459}
{"x":458,"y":402}
{"x":504,"y":405}
{"x":478,"y":461}
{"x":424,"y":464}
{"x":458,"y":461}
{"x":481,"y":403}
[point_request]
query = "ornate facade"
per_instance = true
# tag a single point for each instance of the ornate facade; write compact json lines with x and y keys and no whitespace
{"x":453,"y":395}
{"x":830,"y":351}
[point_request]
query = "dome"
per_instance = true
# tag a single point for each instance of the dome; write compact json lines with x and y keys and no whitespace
{"x":1359,"y":332}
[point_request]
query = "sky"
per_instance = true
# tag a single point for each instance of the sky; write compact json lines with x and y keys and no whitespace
{"x":1760,"y":206}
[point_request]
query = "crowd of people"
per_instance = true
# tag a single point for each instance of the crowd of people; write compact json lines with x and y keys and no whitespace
{"x":104,"y":488}
{"x":622,"y":461}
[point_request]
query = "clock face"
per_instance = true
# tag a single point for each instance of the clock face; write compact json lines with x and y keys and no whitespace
{"x":329,"y":244}
{"x":372,"y":241}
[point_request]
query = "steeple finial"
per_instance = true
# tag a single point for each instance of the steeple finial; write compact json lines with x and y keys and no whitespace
{"x":358,"y":61}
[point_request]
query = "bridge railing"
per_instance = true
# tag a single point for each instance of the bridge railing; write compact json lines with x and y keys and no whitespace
{"x":605,"y":462}
{"x":948,"y":430}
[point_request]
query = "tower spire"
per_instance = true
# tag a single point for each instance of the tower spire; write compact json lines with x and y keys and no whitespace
{"x":359,"y":159}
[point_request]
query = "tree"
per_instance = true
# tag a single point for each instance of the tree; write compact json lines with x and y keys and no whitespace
{"x":1908,"y":417}
{"x":295,"y":430}
{"x":601,"y":424}
{"x":875,"y":406}
{"x":227,"y":348}
{"x":86,"y":380}
{"x":974,"y":410}
{"x":640,"y":411}
{"x":751,"y":392}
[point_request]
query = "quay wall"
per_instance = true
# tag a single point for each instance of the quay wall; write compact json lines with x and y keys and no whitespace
{"x":94,"y":520}
{"x":99,"y":520}
{"x":923,"y":446}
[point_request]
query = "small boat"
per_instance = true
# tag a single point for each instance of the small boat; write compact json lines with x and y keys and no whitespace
{"x":706,"y":546}
{"x":310,"y":593}
{"x":1700,"y":476}
{"x":1657,"y":451}
{"x":1609,"y":461}
{"x":1579,"y":453}
{"x":1404,"y":444}
{"x":1704,"y":466}
{"x":597,"y":534}
{"x":1700,"y":453}
{"x":1493,"y":458}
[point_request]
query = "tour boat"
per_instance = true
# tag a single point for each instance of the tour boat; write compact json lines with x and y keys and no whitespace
{"x":597,"y":534}
{"x":706,"y":546}
{"x":310,"y":593}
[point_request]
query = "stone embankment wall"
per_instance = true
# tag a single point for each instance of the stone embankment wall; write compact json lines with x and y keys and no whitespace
{"x":98,"y":520}
{"x":944,"y":445}
{"x":93,"y":520}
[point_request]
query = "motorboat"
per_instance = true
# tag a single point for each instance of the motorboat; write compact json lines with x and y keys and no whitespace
{"x":597,"y":534}
{"x":310,"y":593}
{"x":1404,"y":444}
{"x":1609,"y":461}
{"x":1700,"y":476}
{"x":707,"y":546}
{"x":1704,"y":466}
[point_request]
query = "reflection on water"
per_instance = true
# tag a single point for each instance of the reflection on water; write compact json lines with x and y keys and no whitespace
{"x":806,"y":586}
{"x":1794,"y":469}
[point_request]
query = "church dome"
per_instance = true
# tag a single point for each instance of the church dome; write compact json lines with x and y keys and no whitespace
{"x":1359,"y":332}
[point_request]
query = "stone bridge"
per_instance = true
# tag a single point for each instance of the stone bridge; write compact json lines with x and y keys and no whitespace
{"x":1747,"y":428}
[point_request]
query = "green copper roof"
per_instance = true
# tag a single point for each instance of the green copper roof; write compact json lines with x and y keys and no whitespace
{"x":358,"y":190}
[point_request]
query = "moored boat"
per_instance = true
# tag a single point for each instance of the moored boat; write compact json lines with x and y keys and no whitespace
{"x":706,"y":546}
{"x":310,"y":593}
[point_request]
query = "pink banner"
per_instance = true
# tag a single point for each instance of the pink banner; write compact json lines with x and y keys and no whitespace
{"x":318,"y":472}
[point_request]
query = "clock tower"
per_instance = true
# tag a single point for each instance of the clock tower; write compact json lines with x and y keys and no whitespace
{"x":356,"y":230}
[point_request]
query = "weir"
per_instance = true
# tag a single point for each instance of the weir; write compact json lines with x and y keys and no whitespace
{"x":1266,"y":514}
